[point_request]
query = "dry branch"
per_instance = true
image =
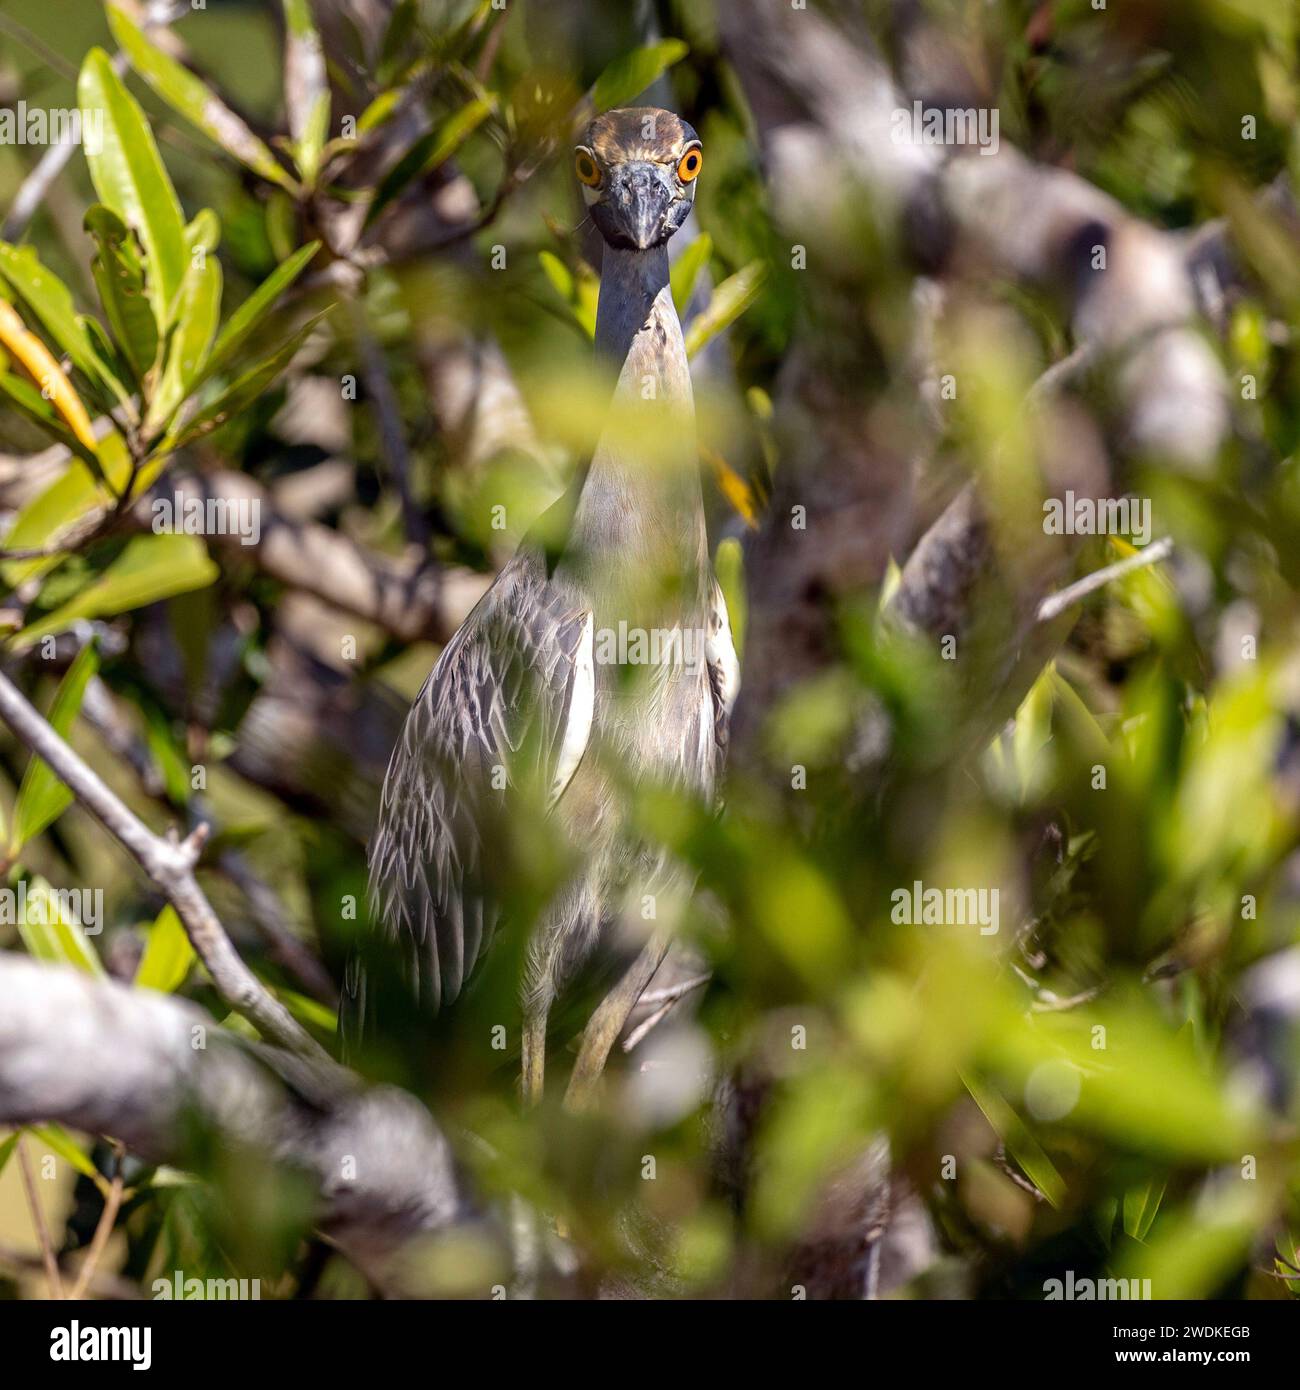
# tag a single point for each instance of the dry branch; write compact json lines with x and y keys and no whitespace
{"x":102,"y":1058}
{"x":170,"y":866}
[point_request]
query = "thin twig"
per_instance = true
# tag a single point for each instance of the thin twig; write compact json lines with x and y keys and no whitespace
{"x":647,"y":1025}
{"x":1048,"y":1003}
{"x":169,"y":863}
{"x":1056,"y":604}
{"x":670,"y":992}
{"x":104,"y":1227}
{"x":665,"y":998}
{"x":105,"y":1285}
{"x":38,"y":1221}
{"x":1004,"y":1164}
{"x":1059,"y":373}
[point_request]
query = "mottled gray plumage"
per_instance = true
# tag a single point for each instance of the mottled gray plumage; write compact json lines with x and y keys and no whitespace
{"x":522,"y":687}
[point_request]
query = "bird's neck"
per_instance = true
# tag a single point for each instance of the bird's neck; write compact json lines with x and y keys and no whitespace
{"x":640,"y":514}
{"x":630,"y":282}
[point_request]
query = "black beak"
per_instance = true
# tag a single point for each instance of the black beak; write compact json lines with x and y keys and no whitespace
{"x":642,"y":196}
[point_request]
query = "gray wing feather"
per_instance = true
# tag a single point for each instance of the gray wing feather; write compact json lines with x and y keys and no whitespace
{"x":501,"y":695}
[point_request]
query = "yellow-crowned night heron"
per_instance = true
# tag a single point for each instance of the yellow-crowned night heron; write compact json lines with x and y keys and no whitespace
{"x":535,"y":684}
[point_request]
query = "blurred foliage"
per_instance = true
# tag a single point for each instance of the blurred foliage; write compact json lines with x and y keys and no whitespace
{"x":1084,"y":1088}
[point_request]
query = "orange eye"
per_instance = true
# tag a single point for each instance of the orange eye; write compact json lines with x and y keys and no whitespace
{"x":690,"y":164}
{"x":585,"y":168}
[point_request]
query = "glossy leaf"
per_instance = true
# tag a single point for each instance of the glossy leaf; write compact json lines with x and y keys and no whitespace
{"x":192,"y":98}
{"x":129,"y":177}
{"x":197,"y":313}
{"x":119,"y":274}
{"x":243,"y":391}
{"x":250,"y":314}
{"x":150,"y":569}
{"x":39,"y":363}
{"x":51,"y":302}
{"x":66,"y":501}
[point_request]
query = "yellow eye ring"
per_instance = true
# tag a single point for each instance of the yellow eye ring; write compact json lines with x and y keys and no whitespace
{"x":585,"y":168}
{"x":690,"y":164}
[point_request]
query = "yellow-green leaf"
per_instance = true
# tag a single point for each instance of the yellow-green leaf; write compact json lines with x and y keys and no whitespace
{"x":52,"y":934}
{"x":129,"y":177}
{"x":629,"y":75}
{"x":191,"y":97}
{"x":60,"y":1142}
{"x":241,"y":324}
{"x":168,"y":954}
{"x":149,"y":569}
{"x":687,"y":270}
{"x":197,"y":313}
{"x":120,"y":280}
{"x":242,"y":390}
{"x":51,"y":301}
{"x":730,"y":299}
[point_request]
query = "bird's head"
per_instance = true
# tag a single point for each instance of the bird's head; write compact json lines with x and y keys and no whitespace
{"x":637,"y":168}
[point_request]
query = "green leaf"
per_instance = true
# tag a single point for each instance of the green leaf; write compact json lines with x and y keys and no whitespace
{"x":687,"y":270}
{"x":42,"y":798}
{"x":307,"y":92}
{"x":8,"y":1147}
{"x":203,"y":234}
{"x":197,"y":313}
{"x":378,"y":111}
{"x":129,"y":177}
{"x":168,"y":955}
{"x":175,"y":770}
{"x":151,"y":568}
{"x":730,"y":299}
{"x":1022,"y":1145}
{"x":120,"y":280}
{"x":52,"y":935}
{"x":1140,"y":1207}
{"x":40,"y":412}
{"x":51,"y":301}
{"x":629,"y":75}
{"x":580,"y":291}
{"x":107,"y":349}
{"x":311,"y":1013}
{"x":242,"y":391}
{"x":397,"y":37}
{"x":192,"y":98}
{"x":729,"y":566}
{"x":1032,"y":735}
{"x":64,"y":502}
{"x":241,"y":324}
{"x":59,"y":1141}
{"x":429,"y":152}
{"x":558,"y":274}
